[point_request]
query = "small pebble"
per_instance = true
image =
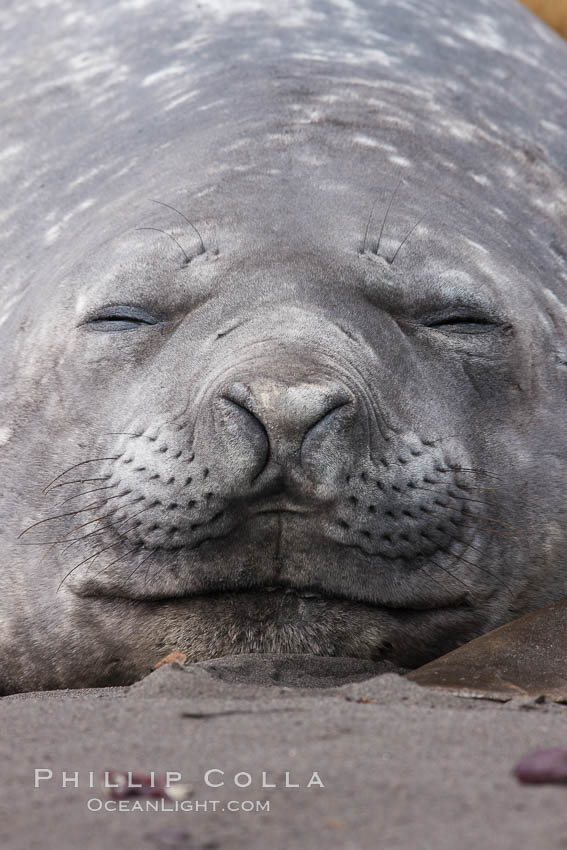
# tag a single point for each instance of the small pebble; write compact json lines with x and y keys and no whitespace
{"x":543,"y":766}
{"x":144,"y":785}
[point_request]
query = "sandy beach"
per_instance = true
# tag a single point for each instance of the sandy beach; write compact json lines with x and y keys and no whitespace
{"x":379,"y":761}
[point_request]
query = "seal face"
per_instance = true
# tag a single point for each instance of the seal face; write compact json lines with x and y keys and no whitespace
{"x":310,"y":398}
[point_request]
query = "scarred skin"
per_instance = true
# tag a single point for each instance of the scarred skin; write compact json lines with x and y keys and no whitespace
{"x":284,"y":335}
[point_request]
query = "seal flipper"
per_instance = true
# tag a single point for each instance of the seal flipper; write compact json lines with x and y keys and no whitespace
{"x":524,"y":658}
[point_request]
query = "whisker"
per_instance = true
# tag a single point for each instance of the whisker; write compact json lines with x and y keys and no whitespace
{"x":147,"y":570}
{"x":82,"y":463}
{"x":93,"y":506}
{"x":492,"y":529}
{"x":181,"y":248}
{"x":488,"y":519}
{"x":143,"y":561}
{"x":483,"y":489}
{"x":190,"y":223}
{"x":387,"y":213}
{"x":364,"y":241}
{"x":481,"y":517}
{"x":405,"y":239}
{"x":104,"y":527}
{"x":84,"y":561}
{"x":80,"y":481}
{"x":120,"y":433}
{"x":477,"y":471}
{"x":167,"y":565}
{"x":87,"y":492}
{"x":90,"y":522}
{"x":456,"y":498}
{"x":75,"y":528}
{"x":116,"y":560}
{"x":472,"y":564}
{"x":450,"y":574}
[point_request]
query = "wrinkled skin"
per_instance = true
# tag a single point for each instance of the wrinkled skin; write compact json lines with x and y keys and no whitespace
{"x":311,"y":397}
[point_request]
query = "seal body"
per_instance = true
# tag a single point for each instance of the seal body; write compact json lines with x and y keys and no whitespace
{"x":283,"y":330}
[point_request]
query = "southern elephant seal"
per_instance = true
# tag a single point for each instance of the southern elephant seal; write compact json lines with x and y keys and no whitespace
{"x":284,"y":336}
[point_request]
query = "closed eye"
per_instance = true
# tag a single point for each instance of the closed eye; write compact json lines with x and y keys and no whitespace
{"x":462,"y":323}
{"x":119,"y":318}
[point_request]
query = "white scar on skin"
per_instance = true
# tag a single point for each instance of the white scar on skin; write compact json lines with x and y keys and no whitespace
{"x":5,"y":434}
{"x":400,"y":160}
{"x":484,"y":33}
{"x":482,"y":179}
{"x":163,"y":73}
{"x":52,"y":234}
{"x":555,"y":304}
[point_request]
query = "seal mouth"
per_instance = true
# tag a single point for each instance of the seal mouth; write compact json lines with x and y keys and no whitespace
{"x":308,"y":595}
{"x":316,"y":596}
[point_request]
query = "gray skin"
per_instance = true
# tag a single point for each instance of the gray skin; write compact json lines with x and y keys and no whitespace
{"x":312,"y":401}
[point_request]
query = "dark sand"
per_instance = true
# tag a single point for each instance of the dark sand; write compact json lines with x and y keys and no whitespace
{"x":403,"y":766}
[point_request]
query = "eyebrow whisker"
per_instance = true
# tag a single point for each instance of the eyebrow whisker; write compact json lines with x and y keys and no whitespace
{"x":405,"y":239}
{"x":190,"y":223}
{"x":365,"y":239}
{"x":386,"y":214}
{"x":181,"y":248}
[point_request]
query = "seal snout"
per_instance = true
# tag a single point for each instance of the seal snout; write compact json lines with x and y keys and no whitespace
{"x":284,"y":424}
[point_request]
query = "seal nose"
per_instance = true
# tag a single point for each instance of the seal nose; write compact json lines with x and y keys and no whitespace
{"x":285,"y":423}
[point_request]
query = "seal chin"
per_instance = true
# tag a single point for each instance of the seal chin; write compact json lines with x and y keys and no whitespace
{"x":283,"y":620}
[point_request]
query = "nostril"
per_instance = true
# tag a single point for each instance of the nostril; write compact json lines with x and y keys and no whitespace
{"x":247,"y":419}
{"x":333,"y":419}
{"x":328,"y":415}
{"x":245,"y":432}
